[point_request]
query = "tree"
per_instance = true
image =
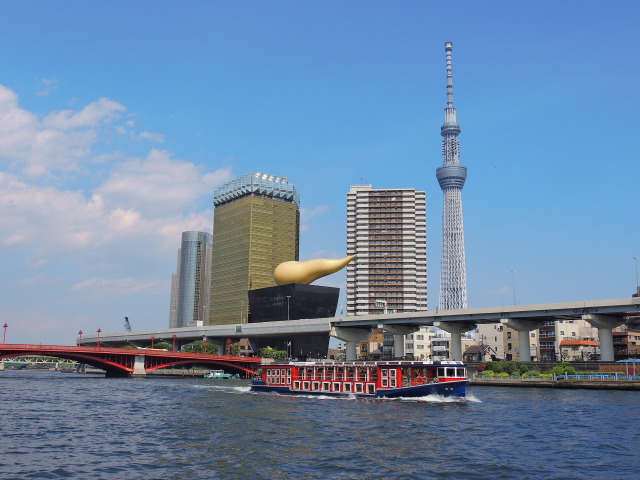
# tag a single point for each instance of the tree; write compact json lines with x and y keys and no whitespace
{"x":199,"y":347}
{"x":562,"y":368}
{"x":269,"y":352}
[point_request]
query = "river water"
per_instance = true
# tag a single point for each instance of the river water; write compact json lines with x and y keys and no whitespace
{"x":56,"y":425}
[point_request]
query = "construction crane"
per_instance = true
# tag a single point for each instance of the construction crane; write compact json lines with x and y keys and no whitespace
{"x":127,"y":325}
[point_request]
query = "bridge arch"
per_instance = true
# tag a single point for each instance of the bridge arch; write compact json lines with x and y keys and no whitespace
{"x":125,"y":362}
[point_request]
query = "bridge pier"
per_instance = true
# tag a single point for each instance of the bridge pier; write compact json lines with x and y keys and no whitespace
{"x":456,"y":329}
{"x":399,"y":333}
{"x":138,"y":366}
{"x":523,"y":327}
{"x":351,"y":337}
{"x":605,"y":324}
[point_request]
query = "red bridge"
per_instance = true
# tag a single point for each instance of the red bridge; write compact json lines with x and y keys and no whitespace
{"x":124,"y":362}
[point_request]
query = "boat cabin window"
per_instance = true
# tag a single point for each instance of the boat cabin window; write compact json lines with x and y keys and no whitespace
{"x":461,"y":372}
{"x":393,"y":375}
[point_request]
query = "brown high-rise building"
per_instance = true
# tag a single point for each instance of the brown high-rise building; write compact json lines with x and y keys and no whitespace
{"x":256,"y":226}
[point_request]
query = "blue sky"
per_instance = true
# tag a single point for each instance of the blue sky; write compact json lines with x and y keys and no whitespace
{"x":118,"y":120}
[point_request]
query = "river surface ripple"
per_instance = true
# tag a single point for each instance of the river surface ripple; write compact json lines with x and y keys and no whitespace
{"x":55,"y":425}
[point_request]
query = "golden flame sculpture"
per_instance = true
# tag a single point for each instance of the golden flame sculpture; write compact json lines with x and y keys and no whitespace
{"x":307,"y":272}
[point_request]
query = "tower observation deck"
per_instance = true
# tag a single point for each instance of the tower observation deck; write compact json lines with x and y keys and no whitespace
{"x":451,"y":177}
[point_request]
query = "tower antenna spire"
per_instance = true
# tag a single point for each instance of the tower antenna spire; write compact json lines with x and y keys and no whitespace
{"x":451,"y":177}
{"x":448,"y":47}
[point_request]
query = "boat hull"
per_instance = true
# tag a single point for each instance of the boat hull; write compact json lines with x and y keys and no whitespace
{"x":455,"y":388}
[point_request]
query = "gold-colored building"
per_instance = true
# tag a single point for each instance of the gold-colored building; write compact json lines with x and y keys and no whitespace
{"x":256,"y":226}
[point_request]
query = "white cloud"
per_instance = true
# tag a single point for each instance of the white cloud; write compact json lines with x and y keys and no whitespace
{"x":139,"y":210}
{"x":122,"y":286}
{"x":61,"y":141}
{"x":94,"y":114}
{"x":159,"y":185}
{"x":504,"y":290}
{"x":154,"y":137}
{"x":49,"y":84}
{"x":306,"y":214}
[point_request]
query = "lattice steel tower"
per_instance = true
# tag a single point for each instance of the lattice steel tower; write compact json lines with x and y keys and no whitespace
{"x":451,"y":176}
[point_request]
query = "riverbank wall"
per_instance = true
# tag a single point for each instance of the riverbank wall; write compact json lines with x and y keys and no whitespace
{"x":559,"y":383}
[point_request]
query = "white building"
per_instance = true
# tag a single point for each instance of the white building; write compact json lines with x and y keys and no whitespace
{"x":386,"y":229}
{"x":418,"y":344}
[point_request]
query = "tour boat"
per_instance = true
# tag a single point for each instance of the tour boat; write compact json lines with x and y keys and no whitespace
{"x":391,"y":379}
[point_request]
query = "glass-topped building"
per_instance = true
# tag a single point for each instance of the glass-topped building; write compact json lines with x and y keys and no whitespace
{"x":256,"y":226}
{"x":190,"y":285}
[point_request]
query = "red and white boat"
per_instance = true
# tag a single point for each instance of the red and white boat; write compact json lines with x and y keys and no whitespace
{"x":365,"y":379}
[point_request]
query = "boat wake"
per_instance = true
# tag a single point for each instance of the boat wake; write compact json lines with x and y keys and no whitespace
{"x":472,"y":398}
{"x":228,"y":388}
{"x":434,"y":399}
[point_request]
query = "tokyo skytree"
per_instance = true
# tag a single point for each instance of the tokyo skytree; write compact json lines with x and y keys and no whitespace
{"x":451,"y":177}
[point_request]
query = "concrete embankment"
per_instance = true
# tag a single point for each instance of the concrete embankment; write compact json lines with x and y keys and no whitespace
{"x":584,"y":384}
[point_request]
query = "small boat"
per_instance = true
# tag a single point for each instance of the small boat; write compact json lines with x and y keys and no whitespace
{"x":222,"y":374}
{"x":392,"y":379}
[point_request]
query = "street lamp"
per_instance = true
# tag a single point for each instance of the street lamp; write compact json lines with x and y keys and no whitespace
{"x":4,"y":337}
{"x":152,"y":339}
{"x":288,"y":298}
{"x":513,"y":274}
{"x":80,"y":341}
{"x":99,"y":331}
{"x":637,"y":282}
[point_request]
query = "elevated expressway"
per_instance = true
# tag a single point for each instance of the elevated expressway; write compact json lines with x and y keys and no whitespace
{"x":602,"y":314}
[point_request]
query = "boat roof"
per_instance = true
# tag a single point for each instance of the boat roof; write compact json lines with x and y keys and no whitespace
{"x":364,"y":363}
